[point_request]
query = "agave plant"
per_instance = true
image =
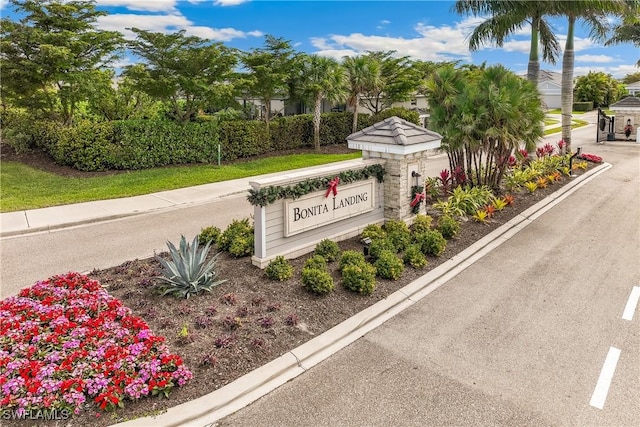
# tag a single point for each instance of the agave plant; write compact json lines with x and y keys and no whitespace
{"x":188,"y":272}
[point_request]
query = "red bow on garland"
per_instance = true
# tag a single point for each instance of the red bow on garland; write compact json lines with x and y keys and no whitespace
{"x":333,"y":187}
{"x":417,"y":199}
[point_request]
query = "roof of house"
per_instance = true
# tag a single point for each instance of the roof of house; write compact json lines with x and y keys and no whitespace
{"x":632,"y":102}
{"x":395,"y":130}
{"x":634,"y":85}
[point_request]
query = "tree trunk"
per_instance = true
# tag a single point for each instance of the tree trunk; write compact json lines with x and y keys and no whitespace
{"x":533,"y":68}
{"x":566,"y":94}
{"x":267,"y":107}
{"x":354,"y":126}
{"x":316,"y":121}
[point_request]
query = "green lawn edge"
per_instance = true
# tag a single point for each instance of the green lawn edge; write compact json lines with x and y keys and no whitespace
{"x":23,"y":187}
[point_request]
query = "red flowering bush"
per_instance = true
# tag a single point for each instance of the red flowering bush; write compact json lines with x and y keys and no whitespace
{"x":590,"y":157}
{"x":65,"y":341}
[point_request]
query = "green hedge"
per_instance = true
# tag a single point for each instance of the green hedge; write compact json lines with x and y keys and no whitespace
{"x":583,"y":106}
{"x":141,"y":144}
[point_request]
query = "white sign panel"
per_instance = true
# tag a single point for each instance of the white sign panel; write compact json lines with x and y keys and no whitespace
{"x":315,"y":210}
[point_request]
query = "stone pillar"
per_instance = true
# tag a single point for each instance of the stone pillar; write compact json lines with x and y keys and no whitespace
{"x":405,"y":147}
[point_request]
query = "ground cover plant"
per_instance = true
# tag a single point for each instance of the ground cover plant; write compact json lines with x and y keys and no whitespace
{"x":253,"y":318}
{"x":65,"y":342}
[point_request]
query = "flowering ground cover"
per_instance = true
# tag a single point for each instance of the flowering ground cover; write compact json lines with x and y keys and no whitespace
{"x":67,"y":345}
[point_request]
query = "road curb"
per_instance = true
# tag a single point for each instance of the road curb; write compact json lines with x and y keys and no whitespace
{"x":208,"y":409}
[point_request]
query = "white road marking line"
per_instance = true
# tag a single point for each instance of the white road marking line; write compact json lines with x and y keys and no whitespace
{"x":632,"y":303}
{"x":604,"y":381}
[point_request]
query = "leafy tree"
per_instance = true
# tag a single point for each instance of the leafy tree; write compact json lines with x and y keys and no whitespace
{"x":600,"y":88}
{"x":269,"y":69}
{"x":508,"y":16}
{"x":484,"y":115}
{"x":187,"y":72}
{"x":117,"y":99}
{"x":394,"y":82}
{"x":594,"y":14}
{"x":361,"y":73}
{"x":49,"y":56}
{"x":323,"y":78}
{"x":631,"y":78}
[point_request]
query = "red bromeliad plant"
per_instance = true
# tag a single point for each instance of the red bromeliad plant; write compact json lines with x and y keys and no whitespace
{"x":445,"y":181}
{"x":66,"y":341}
{"x":590,"y":157}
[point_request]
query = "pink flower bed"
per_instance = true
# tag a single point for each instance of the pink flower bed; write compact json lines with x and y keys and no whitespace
{"x":65,"y":342}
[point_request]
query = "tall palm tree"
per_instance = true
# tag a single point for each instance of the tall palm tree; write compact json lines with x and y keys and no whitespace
{"x":361,"y":74}
{"x":323,"y":78}
{"x":508,"y":16}
{"x":593,"y":13}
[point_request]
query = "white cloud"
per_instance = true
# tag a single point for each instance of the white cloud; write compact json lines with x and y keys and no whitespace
{"x":431,"y":43}
{"x":385,"y":22}
{"x":618,"y":71}
{"x":595,"y":58}
{"x":229,"y":2}
{"x":3,"y":3}
{"x":143,"y":5}
{"x":168,"y":24}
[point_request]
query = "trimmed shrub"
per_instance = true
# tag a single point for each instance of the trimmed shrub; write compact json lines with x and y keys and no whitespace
{"x":583,"y":106}
{"x":379,"y":245}
{"x":315,"y":262}
{"x":431,"y":242}
{"x":422,"y":223}
{"x":243,"y":138}
{"x":360,"y":277}
{"x":414,"y":257}
{"x":398,"y":233}
{"x":448,"y":227}
{"x":350,"y":258}
{"x":389,"y":266}
{"x":317,"y":281}
{"x":279,"y":269}
{"x":237,"y":238}
{"x":373,"y":232}
{"x":328,"y":249}
{"x":209,"y":234}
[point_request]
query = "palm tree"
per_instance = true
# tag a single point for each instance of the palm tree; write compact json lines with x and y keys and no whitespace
{"x":629,"y":28}
{"x":594,"y":15}
{"x":361,"y":74}
{"x":323,"y":78}
{"x":505,"y":18}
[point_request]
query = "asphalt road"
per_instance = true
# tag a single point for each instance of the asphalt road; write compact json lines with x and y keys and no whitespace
{"x":523,"y":337}
{"x":38,"y":256}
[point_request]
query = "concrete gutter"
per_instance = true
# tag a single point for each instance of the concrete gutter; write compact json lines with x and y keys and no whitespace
{"x":206,"y":410}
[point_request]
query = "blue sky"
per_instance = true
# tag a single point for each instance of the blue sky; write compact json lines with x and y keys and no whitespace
{"x":424,"y":30}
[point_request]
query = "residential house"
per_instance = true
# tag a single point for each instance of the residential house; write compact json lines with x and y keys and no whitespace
{"x":633,"y":88}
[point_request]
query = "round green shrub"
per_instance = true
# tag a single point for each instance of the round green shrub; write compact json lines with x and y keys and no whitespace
{"x":328,"y":249}
{"x":360,"y":277}
{"x":315,"y":262}
{"x":209,"y":234}
{"x":431,"y":242}
{"x":241,"y":246}
{"x":379,"y":245}
{"x":317,"y":281}
{"x":389,"y":266}
{"x":351,"y":257}
{"x":414,"y":257}
{"x":279,"y":269}
{"x":422,"y":223}
{"x":396,"y":226}
{"x":399,"y":239}
{"x":448,"y":227}
{"x":238,"y":229}
{"x":373,"y":232}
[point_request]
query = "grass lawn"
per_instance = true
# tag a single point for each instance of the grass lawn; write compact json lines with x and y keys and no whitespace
{"x":559,"y":111}
{"x":23,"y":187}
{"x":575,"y":124}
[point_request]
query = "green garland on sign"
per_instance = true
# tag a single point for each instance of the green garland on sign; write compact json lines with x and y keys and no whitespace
{"x":268,"y":195}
